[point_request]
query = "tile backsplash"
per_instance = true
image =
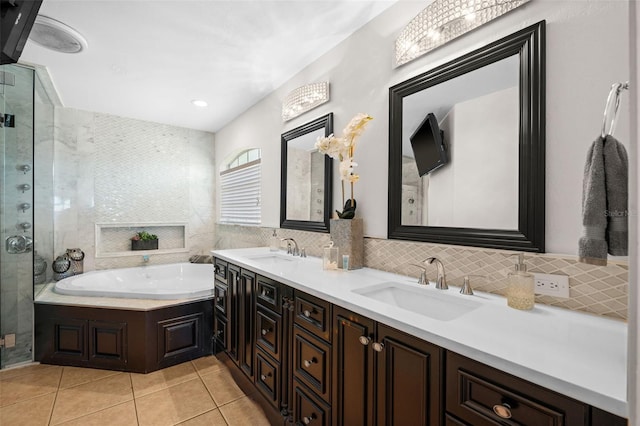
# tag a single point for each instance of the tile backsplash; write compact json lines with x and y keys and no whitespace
{"x":600,"y":290}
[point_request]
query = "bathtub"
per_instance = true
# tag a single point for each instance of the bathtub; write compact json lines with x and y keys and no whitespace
{"x":172,"y":281}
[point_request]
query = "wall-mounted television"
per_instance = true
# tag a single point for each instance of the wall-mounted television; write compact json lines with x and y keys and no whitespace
{"x":16,"y":19}
{"x":428,"y":146}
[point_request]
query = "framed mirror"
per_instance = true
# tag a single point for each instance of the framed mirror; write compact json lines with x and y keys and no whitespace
{"x":306,"y":178}
{"x":489,"y":108}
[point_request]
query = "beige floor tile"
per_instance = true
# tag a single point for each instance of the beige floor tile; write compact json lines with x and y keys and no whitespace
{"x":120,"y":415}
{"x":222,"y":387}
{"x":32,"y":412}
{"x":207,"y":364}
{"x":27,"y":369}
{"x":175,"y":404}
{"x":144,"y":384}
{"x":73,"y":376}
{"x":244,"y":412}
{"x":26,"y":386}
{"x":91,"y":397}
{"x":210,"y":418}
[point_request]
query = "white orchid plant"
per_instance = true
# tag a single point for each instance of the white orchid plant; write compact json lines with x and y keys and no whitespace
{"x":342,"y":149}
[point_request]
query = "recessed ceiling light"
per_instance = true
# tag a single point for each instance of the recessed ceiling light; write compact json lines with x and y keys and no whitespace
{"x":54,"y":35}
{"x":199,"y":103}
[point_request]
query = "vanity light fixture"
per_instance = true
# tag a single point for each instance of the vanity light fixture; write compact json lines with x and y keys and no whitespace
{"x":199,"y":103}
{"x":304,"y":98}
{"x":444,"y":20}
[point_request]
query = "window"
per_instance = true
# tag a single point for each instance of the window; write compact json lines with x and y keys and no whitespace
{"x":240,"y":189}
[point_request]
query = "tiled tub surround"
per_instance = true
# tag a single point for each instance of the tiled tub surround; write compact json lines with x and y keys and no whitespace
{"x":540,"y":346}
{"x":112,"y":169}
{"x":600,"y":290}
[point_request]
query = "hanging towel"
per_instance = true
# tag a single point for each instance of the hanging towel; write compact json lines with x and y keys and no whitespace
{"x":604,"y":202}
{"x":616,"y":170}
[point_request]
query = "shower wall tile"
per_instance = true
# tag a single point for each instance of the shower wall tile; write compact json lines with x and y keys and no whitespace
{"x":122,"y":170}
{"x":600,"y":290}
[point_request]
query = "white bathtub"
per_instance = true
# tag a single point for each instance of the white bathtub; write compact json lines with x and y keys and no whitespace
{"x":173,"y":281}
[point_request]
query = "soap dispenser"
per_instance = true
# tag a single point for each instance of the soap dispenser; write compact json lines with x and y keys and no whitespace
{"x":274,"y":242}
{"x":521,"y":291}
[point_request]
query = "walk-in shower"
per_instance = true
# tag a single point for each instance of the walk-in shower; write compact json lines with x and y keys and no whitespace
{"x":26,"y":205}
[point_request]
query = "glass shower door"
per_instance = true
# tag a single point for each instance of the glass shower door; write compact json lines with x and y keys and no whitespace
{"x":16,"y":214}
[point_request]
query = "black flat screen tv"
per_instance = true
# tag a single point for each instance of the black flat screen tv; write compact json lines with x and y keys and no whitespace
{"x":16,"y":20}
{"x":428,"y":146}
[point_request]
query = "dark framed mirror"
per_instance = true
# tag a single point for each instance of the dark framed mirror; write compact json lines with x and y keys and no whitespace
{"x":306,"y":177}
{"x":490,"y":111}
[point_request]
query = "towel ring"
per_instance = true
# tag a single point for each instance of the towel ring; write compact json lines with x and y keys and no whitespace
{"x":614,"y":94}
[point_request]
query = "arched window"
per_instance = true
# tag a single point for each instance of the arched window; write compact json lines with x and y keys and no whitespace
{"x":240,"y":189}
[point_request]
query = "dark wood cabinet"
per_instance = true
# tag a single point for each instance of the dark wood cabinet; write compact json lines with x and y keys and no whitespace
{"x":383,"y":376}
{"x":409,"y":385}
{"x":479,"y":395}
{"x":353,"y":369}
{"x":318,"y":363}
{"x":127,"y":340}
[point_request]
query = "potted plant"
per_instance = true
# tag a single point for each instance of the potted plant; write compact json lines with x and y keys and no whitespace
{"x":144,"y":241}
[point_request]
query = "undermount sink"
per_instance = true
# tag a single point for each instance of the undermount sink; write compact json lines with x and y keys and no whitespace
{"x":273,"y":259}
{"x":432,"y":304}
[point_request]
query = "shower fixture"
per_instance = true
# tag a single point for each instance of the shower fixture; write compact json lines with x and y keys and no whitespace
{"x":24,"y":168}
{"x":24,"y":207}
{"x":24,"y":187}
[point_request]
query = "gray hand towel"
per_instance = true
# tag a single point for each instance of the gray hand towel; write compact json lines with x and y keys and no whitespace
{"x":604,"y":202}
{"x":616,"y":170}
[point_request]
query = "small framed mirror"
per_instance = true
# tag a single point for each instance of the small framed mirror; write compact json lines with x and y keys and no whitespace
{"x":473,"y":174}
{"x":306,"y":178}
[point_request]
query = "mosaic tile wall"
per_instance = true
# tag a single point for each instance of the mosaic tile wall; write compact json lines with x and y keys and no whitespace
{"x":113,"y":169}
{"x":600,"y":290}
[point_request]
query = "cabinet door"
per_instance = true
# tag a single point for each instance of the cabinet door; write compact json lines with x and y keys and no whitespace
{"x":235,"y":299}
{"x":353,"y":371}
{"x":246,"y":323}
{"x":409,"y":383}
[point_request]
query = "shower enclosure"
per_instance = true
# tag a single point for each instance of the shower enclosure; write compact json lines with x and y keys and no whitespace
{"x":26,"y":207}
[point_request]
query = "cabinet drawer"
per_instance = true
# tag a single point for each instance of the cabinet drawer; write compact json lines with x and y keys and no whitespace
{"x":220,"y":333}
{"x":312,"y":362}
{"x":480,"y":395}
{"x":221,"y":269}
{"x":268,"y":294}
{"x":313,"y":314}
{"x":308,"y":409}
{"x":268,"y":378}
{"x":268,"y":330}
{"x":220,"y":297}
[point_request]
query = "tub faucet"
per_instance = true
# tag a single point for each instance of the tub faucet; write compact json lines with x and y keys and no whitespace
{"x":441,"y":280}
{"x":294,"y":251}
{"x":145,"y":258}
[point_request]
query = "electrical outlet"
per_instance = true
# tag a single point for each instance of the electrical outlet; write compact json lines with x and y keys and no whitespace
{"x":551,"y":285}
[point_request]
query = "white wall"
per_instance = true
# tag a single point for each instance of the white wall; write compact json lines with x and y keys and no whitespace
{"x":587,"y":50}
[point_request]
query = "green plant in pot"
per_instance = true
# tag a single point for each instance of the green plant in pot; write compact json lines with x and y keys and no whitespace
{"x":144,"y":241}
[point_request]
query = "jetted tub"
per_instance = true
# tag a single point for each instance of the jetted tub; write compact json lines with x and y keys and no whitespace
{"x":172,"y":281}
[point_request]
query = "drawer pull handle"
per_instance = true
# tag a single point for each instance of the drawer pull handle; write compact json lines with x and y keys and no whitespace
{"x":503,"y":411}
{"x":263,"y":377}
{"x":307,"y":420}
{"x":378,"y":346}
{"x":266,"y":331}
{"x":364,"y":340}
{"x":307,"y":313}
{"x":309,"y":362}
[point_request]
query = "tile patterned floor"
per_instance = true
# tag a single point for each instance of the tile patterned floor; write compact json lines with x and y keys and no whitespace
{"x":199,"y":392}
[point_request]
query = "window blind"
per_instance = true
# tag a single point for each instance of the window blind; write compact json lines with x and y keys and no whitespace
{"x":240,"y":194}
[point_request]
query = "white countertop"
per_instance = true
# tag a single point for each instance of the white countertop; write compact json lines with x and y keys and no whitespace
{"x":579,"y":355}
{"x":50,"y":297}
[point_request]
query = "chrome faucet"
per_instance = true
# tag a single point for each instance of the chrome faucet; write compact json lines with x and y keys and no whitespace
{"x":423,"y":275}
{"x":294,"y":251}
{"x":441,"y":280}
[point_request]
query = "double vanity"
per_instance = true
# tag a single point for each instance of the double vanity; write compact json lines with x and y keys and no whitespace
{"x":371,"y":347}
